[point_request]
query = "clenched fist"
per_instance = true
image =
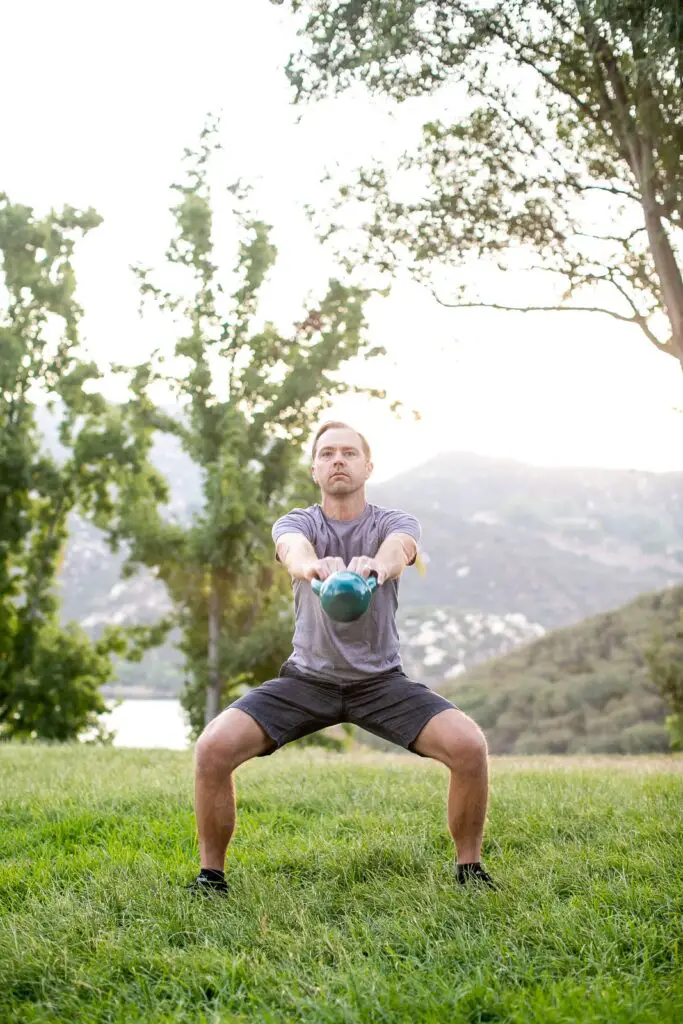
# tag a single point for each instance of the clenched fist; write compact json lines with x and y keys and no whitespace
{"x":323,"y":567}
{"x":364,"y":565}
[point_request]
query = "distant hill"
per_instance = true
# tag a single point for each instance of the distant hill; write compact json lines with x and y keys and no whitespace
{"x":555,"y":545}
{"x":579,"y":690}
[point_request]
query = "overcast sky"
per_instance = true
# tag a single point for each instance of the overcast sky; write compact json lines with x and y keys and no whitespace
{"x":99,"y":101}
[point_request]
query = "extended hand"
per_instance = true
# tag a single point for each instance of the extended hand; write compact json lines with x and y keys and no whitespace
{"x":364,"y":565}
{"x":323,"y":567}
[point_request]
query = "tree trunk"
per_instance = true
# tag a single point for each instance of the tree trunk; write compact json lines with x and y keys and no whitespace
{"x":668,"y":273}
{"x":213,"y":689}
{"x":666,"y":267}
{"x":632,"y":133}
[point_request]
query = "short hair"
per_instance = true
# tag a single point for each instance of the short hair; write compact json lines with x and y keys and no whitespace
{"x":337,"y":424}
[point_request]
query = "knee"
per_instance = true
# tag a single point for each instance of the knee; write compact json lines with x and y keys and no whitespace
{"x":214,"y":753}
{"x":469,"y":752}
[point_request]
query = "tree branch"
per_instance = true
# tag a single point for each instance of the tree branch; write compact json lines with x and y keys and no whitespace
{"x":608,"y":188}
{"x":532,"y":309}
{"x":519,"y":47}
{"x":624,"y":239}
{"x":623,"y":292}
{"x":639,"y":319}
{"x":617,"y":106}
{"x":494,"y":98}
{"x":666,"y":347}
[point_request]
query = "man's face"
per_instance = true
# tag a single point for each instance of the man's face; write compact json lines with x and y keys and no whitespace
{"x":340,"y":466}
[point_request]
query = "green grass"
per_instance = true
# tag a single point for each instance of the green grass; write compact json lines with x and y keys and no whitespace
{"x":343,"y":906}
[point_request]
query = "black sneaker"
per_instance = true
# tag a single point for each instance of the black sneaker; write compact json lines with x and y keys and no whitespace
{"x":208,"y":886}
{"x":468,"y":873}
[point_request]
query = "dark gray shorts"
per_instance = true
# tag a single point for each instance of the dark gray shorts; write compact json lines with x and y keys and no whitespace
{"x":391,"y":706}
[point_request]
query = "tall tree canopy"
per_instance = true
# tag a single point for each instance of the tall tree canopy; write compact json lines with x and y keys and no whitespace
{"x":560,"y":148}
{"x":247,"y":396}
{"x":49,"y":675}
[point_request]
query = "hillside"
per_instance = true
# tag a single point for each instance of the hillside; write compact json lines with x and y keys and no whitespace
{"x":579,"y":690}
{"x":555,"y":545}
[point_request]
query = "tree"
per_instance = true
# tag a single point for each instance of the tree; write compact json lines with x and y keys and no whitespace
{"x":247,"y":397}
{"x":665,"y":664}
{"x":563,"y":155}
{"x":50,"y":676}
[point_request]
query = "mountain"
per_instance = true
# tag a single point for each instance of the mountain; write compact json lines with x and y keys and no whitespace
{"x":555,"y":545}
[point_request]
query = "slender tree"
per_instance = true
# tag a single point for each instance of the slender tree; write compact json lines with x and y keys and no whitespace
{"x":50,"y":675}
{"x":247,"y":396}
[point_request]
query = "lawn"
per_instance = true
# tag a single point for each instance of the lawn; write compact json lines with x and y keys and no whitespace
{"x":343,"y":905}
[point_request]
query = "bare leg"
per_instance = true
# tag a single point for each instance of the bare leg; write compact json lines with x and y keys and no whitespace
{"x":232,"y":738}
{"x":215,"y":810}
{"x":456,"y":741}
{"x":467,"y":803}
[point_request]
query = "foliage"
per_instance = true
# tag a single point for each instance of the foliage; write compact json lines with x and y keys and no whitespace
{"x":248,"y":397}
{"x":656,"y":26}
{"x":559,"y":147}
{"x":96,"y":925}
{"x":665,"y":664}
{"x":49,"y":677}
{"x":57,"y":696}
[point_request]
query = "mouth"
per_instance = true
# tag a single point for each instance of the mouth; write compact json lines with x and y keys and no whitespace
{"x":342,"y":475}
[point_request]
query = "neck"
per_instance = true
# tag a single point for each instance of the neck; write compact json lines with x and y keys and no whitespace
{"x":350,"y":506}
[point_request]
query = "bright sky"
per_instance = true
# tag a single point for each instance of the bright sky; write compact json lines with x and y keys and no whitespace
{"x":99,"y":101}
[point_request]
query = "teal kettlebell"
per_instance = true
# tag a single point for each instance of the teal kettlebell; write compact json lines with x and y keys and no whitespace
{"x":345,"y":596}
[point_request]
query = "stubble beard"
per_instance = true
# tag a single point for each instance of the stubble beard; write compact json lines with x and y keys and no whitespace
{"x":337,"y":488}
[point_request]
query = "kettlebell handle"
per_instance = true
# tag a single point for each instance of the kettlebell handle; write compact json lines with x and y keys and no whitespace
{"x":316,"y":584}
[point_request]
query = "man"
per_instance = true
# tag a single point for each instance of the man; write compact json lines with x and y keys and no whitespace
{"x":342,"y":672}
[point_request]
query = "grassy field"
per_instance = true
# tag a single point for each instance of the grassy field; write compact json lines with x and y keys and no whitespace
{"x":343,"y":904}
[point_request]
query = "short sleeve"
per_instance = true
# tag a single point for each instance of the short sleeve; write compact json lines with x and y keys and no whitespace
{"x":397,"y":521}
{"x":299,"y":520}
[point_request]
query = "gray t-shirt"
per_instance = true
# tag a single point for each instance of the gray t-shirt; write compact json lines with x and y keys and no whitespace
{"x":346,"y":651}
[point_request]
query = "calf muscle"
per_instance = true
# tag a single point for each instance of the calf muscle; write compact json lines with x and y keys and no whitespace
{"x":231,"y":739}
{"x":454,"y":739}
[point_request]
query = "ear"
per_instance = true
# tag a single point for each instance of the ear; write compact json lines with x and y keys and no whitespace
{"x":368,"y":470}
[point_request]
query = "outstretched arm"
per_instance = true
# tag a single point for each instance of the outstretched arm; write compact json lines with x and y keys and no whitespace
{"x":397,"y":551}
{"x":299,"y":556}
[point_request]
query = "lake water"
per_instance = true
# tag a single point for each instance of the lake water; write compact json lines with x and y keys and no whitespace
{"x":149,"y":723}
